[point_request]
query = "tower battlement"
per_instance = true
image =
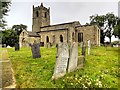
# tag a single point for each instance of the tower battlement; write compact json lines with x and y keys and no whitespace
{"x":41,"y":17}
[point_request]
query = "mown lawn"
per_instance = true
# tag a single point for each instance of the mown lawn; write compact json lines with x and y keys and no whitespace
{"x":100,"y":70}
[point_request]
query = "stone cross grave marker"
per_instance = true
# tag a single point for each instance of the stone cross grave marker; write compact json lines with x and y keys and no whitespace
{"x":35,"y":50}
{"x":61,"y":60}
{"x":88,"y":47}
{"x":17,"y":46}
{"x":72,"y":66}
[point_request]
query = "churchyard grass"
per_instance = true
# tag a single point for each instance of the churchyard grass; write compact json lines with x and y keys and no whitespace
{"x":100,"y":69}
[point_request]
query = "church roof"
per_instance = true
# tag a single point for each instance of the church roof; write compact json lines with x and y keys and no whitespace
{"x":54,"y":30}
{"x":86,"y":26}
{"x":74,"y":22}
{"x":33,"y":34}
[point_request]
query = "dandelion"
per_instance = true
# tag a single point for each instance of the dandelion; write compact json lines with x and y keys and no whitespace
{"x":97,"y":80}
{"x":78,"y":81}
{"x":75,"y":78}
{"x":89,"y":83}
{"x":71,"y":83}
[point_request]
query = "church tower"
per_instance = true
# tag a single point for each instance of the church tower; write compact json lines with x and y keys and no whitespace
{"x":41,"y":17}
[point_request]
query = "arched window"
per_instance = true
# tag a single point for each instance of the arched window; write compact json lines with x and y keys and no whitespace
{"x":47,"y":39}
{"x":61,"y":38}
{"x":73,"y":36}
{"x":23,"y":39}
{"x":37,"y":14}
{"x":80,"y":37}
{"x":45,"y":14}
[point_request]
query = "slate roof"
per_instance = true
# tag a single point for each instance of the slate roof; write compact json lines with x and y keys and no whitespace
{"x":33,"y":34}
{"x":53,"y":30}
{"x":60,"y":24}
{"x":85,"y":26}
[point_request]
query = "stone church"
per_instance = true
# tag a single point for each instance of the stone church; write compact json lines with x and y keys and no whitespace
{"x":47,"y":34}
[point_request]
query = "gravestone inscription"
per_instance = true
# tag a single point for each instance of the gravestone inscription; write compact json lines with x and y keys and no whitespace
{"x":61,"y":60}
{"x":35,"y":50}
{"x":73,"y":57}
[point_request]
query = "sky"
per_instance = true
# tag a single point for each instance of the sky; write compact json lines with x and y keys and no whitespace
{"x":61,"y":11}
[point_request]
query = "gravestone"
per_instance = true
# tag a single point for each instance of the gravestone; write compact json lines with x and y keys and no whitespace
{"x":17,"y":46}
{"x":81,"y":60}
{"x":88,"y":47}
{"x":35,"y":50}
{"x":73,"y":57}
{"x":83,"y":49}
{"x":61,"y":60}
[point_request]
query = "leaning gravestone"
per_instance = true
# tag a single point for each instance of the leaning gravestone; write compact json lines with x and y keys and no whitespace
{"x":61,"y":60}
{"x":16,"y":46}
{"x":35,"y":50}
{"x":73,"y":57}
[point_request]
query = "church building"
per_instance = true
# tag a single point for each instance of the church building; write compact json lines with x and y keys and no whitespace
{"x":47,"y":34}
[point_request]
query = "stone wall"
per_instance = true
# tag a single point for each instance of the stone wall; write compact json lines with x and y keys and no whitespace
{"x":91,"y":33}
{"x":54,"y":36}
{"x":24,"y":39}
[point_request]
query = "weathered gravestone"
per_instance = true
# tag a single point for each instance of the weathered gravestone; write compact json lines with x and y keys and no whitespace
{"x":17,"y":46}
{"x":83,"y":49}
{"x":73,"y":57}
{"x":61,"y":60}
{"x":81,"y":58}
{"x":35,"y":50}
{"x":88,"y":47}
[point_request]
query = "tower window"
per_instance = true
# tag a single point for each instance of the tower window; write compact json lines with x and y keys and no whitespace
{"x":45,"y":14}
{"x":37,"y":14}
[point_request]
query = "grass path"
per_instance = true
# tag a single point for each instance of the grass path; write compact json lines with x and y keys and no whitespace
{"x":6,"y":71}
{"x":100,"y":70}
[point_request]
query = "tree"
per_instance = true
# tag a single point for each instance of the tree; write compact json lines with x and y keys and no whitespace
{"x":111,"y":21}
{"x":4,"y":8}
{"x":9,"y":37}
{"x":106,"y":23}
{"x":100,"y":22}
{"x":19,"y":28}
